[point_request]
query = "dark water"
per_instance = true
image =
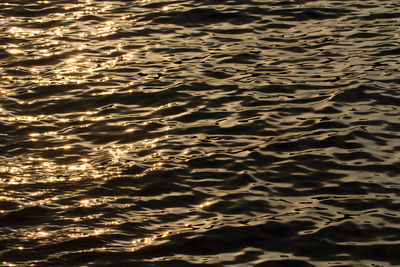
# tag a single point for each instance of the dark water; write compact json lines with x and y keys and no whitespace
{"x":224,"y":133}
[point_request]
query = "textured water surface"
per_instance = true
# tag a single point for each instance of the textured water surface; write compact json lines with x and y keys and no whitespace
{"x":199,"y":133}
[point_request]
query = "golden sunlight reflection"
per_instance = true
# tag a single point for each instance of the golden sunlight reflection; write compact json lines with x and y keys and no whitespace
{"x":14,"y":51}
{"x":117,"y":153}
{"x":78,"y":233}
{"x":70,"y":60}
{"x":58,"y":32}
{"x":88,"y":202}
{"x":81,"y":167}
{"x":166,"y":8}
{"x":35,"y":70}
{"x":46,"y":171}
{"x":10,"y":170}
{"x":34,"y":134}
{"x":205,"y":204}
{"x":105,"y":29}
{"x":77,"y":68}
{"x":26,"y":118}
{"x":15,"y":181}
{"x":142,"y":242}
{"x":23,"y":33}
{"x":106,"y":92}
{"x":114,"y":222}
{"x":38,"y":234}
{"x":88,"y":217}
{"x":43,"y":234}
{"x":152,"y":143}
{"x":84,"y":202}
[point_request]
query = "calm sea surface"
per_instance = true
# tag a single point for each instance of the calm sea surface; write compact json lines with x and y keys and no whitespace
{"x":186,"y":133}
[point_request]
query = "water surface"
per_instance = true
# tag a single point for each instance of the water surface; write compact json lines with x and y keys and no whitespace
{"x":223,"y":133}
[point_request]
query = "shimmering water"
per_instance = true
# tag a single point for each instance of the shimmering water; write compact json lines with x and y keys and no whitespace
{"x":225,"y":133}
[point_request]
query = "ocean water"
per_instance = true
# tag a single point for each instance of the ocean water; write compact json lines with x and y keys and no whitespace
{"x":199,"y":133}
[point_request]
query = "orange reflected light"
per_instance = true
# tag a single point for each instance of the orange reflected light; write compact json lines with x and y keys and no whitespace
{"x":205,"y":204}
{"x":78,"y":167}
{"x":104,"y":30}
{"x":14,"y":51}
{"x":43,"y":233}
{"x":97,"y":118}
{"x":145,"y":241}
{"x":71,"y":60}
{"x":20,"y":32}
{"x":165,"y":234}
{"x":115,"y":222}
{"x":84,"y":202}
{"x":148,"y":240}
